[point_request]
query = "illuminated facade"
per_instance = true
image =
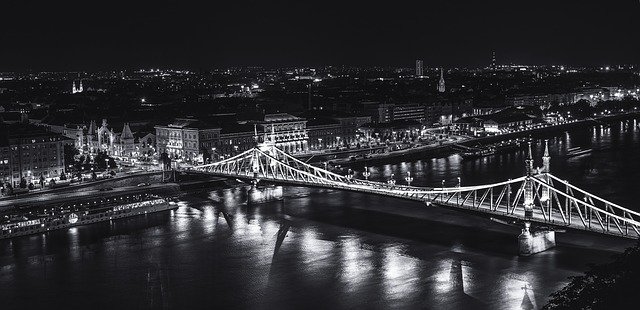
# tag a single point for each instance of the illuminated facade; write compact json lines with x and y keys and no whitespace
{"x":78,"y":89}
{"x":28,"y":152}
{"x":287,"y":131}
{"x":187,"y":139}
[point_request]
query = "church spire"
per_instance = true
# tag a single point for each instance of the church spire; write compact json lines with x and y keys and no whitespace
{"x":441,"y":87}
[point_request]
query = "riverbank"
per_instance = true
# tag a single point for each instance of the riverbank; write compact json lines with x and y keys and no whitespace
{"x":431,"y":151}
{"x":129,"y":184}
{"x":124,"y":180}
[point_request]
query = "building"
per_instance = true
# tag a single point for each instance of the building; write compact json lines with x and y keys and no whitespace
{"x":410,"y":111}
{"x":236,"y":138}
{"x":187,"y":139}
{"x":441,"y":87}
{"x":379,"y":112}
{"x":401,"y":130}
{"x":323,"y":133}
{"x":500,"y":122}
{"x":29,"y":152}
{"x":536,"y":100}
{"x":419,"y":68}
{"x":288,"y":132}
{"x":79,"y":89}
{"x":389,"y":112}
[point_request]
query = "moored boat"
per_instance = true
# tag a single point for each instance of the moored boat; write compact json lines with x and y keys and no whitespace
{"x":43,"y":219}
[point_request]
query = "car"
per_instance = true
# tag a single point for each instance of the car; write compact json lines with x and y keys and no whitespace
{"x":106,"y":189}
{"x":143,"y":184}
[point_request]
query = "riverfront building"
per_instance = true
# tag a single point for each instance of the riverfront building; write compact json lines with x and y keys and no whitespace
{"x":29,"y":152}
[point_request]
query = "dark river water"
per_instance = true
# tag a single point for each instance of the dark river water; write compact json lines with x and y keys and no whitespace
{"x":326,"y":248}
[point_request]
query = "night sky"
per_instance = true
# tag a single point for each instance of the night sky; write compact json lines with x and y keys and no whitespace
{"x":85,"y":35}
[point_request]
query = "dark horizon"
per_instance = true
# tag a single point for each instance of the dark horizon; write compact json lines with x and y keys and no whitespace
{"x":72,"y":36}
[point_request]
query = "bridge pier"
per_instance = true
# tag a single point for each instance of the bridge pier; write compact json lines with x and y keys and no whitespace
{"x":530,"y":243}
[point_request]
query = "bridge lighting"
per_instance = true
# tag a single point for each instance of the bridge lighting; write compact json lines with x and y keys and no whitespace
{"x":366,"y":173}
{"x":409,"y":179}
{"x":391,"y":181}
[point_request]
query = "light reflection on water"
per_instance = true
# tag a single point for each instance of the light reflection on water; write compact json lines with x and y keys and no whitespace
{"x":400,"y":273}
{"x":357,"y":264}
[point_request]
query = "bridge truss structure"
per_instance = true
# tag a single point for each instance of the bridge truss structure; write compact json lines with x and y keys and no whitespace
{"x":537,"y":197}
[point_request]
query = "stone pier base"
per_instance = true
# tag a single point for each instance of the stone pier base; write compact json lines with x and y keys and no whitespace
{"x":535,"y":242}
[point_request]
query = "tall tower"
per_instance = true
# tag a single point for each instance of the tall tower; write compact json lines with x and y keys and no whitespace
{"x":546,"y":159}
{"x":419,"y":68}
{"x":493,"y":59}
{"x":546,"y":168}
{"x":73,"y":89}
{"x":528,"y":186}
{"x":80,"y":89}
{"x":441,"y":87}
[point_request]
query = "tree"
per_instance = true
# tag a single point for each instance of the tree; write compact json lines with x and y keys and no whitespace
{"x":23,"y":183}
{"x":69,"y":154}
{"x":112,"y":163}
{"x":63,"y":176}
{"x":166,"y":161}
{"x":94,"y":176}
{"x":607,"y":286}
{"x":101,"y":160}
{"x":206,"y":156}
{"x":52,"y":183}
{"x":78,"y":164}
{"x":41,"y":181}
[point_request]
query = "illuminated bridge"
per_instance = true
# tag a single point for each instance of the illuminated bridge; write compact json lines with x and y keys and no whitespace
{"x":537,"y":197}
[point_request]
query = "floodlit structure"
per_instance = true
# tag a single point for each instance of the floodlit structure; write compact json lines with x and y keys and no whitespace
{"x":538,"y":197}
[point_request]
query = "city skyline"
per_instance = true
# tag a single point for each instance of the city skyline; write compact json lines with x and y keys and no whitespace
{"x":69,"y":36}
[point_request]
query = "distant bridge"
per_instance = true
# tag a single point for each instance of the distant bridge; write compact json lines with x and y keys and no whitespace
{"x":537,"y":197}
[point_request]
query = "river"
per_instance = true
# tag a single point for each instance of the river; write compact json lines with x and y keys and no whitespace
{"x":328,"y":249}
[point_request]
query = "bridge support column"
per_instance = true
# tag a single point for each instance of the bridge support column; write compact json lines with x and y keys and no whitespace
{"x":535,"y":242}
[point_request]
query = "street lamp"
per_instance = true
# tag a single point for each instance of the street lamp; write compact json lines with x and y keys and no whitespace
{"x":409,"y":179}
{"x":391,"y":181}
{"x":366,"y":173}
{"x":459,"y":182}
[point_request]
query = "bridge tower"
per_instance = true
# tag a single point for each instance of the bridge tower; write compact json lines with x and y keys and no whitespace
{"x":546,"y":159}
{"x":533,"y":242}
{"x":546,"y":168}
{"x":528,"y":186}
